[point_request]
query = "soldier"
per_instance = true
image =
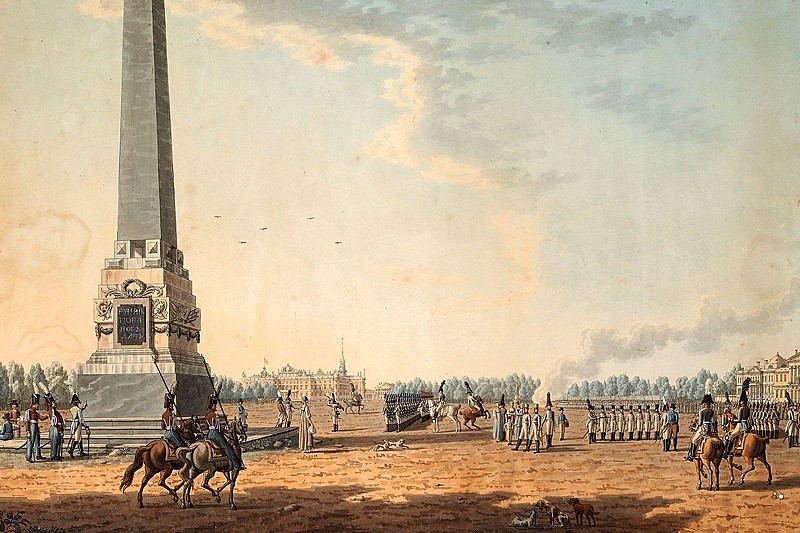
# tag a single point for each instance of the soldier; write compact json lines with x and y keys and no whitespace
{"x":168,"y":421}
{"x":281,"y":411}
{"x":563,"y":424}
{"x":518,"y":414}
{"x":621,"y":422}
{"x":775,"y":421}
{"x":526,"y":430}
{"x":56,"y":433}
{"x":742,"y":418}
{"x":647,"y":422}
{"x":612,"y":422}
{"x":473,"y":401}
{"x":706,"y":422}
{"x":241,"y":413}
{"x":639,"y":423}
{"x":215,"y":432}
{"x":549,"y":423}
{"x":602,"y":422}
{"x":287,"y":403}
{"x":77,"y":426}
{"x":791,"y":421}
{"x":536,"y":428}
{"x":440,"y":395}
{"x":670,"y":419}
{"x":591,"y":422}
{"x":31,"y":419}
{"x":630,"y":423}
{"x":13,"y":416}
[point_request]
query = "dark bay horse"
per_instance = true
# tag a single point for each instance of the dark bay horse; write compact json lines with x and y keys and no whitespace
{"x":754,"y":447}
{"x":470,"y":416}
{"x":709,"y":455}
{"x":153,"y":456}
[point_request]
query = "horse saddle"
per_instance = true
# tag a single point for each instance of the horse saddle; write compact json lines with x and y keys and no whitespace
{"x":171,"y":451}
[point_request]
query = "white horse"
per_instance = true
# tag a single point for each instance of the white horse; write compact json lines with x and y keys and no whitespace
{"x":438,"y":411}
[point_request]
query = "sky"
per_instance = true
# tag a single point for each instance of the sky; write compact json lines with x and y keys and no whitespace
{"x":565,"y":190}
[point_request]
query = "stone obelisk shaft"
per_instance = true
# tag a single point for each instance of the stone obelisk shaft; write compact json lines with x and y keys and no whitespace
{"x":146,"y":185}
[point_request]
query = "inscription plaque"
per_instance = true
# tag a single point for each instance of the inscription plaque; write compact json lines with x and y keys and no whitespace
{"x":131,"y":324}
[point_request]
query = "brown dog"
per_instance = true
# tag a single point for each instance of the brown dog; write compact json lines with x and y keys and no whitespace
{"x":583,"y":510}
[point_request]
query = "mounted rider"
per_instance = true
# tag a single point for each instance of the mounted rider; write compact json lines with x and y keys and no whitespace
{"x":440,"y":395}
{"x":742,"y":419}
{"x":473,"y":400}
{"x":215,"y":432}
{"x":169,"y":423}
{"x":706,"y":425}
{"x":792,"y":427}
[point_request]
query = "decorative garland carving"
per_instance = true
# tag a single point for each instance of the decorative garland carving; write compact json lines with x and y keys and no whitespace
{"x":104,"y":309}
{"x":100,"y":330}
{"x":177,"y":330}
{"x":184,"y":313}
{"x":140,"y":289}
{"x":160,"y":309}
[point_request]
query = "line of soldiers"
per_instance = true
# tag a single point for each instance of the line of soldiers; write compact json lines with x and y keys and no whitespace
{"x":522,"y":425}
{"x":33,"y":417}
{"x":637,"y":425}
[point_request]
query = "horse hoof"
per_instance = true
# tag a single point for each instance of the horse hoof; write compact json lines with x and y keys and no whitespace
{"x":175,"y":498}
{"x":233,"y":507}
{"x":183,"y":505}
{"x":716,"y":488}
{"x":217,"y":498}
{"x":741,"y":482}
{"x":769,"y":482}
{"x":191,"y":506}
{"x":141,"y":505}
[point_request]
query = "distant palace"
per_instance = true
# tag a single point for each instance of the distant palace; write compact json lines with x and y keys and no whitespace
{"x":317,"y":384}
{"x":769,"y":378}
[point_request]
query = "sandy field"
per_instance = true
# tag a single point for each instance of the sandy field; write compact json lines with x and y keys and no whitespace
{"x":445,"y":482}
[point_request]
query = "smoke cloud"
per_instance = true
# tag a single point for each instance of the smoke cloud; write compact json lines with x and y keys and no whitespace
{"x":705,"y":336}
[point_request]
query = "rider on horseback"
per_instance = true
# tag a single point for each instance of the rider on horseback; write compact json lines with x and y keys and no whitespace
{"x":168,"y":421}
{"x":473,"y":400}
{"x":215,"y":432}
{"x":742,"y":419}
{"x":706,"y":421}
{"x":440,"y":395}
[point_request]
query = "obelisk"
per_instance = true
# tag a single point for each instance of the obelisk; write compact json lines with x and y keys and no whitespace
{"x":146,"y":318}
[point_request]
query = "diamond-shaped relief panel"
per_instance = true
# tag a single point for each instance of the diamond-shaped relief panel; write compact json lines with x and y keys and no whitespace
{"x":121,"y":248}
{"x":153,"y":248}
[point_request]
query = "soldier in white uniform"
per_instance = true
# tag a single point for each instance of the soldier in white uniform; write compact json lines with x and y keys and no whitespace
{"x":630,"y":423}
{"x":602,"y":422}
{"x":647,"y":422}
{"x":612,"y":422}
{"x":621,"y":423}
{"x":792,"y":427}
{"x":526,"y":430}
{"x":78,"y":425}
{"x":591,"y":423}
{"x":536,"y":428}
{"x":639,"y":423}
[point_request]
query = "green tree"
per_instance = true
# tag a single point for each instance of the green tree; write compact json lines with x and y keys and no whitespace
{"x":5,"y":387}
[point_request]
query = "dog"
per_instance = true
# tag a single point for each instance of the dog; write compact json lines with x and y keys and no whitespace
{"x":385,"y":446}
{"x":556,"y":516}
{"x":583,"y":510}
{"x":528,"y":522}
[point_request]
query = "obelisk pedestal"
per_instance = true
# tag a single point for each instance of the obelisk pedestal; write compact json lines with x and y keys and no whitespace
{"x":146,"y":318}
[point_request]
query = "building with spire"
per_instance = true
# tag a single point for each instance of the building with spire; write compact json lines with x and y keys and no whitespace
{"x":317,"y":384}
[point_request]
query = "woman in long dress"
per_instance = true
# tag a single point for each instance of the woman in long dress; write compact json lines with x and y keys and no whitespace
{"x":306,"y":431}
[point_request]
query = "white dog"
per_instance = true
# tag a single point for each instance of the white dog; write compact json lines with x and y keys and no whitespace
{"x":530,"y":521}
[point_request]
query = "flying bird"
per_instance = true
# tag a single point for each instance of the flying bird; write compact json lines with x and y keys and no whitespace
{"x":338,"y":242}
{"x":262,"y":229}
{"x":242,"y":242}
{"x":310,"y":218}
{"x":217,"y":216}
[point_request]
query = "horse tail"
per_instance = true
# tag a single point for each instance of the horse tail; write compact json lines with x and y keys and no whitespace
{"x":138,"y":461}
{"x":183,"y":455}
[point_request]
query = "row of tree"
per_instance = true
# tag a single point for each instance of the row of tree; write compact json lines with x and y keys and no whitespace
{"x":16,"y":384}
{"x":684,"y":387}
{"x":231,"y":390}
{"x":486,"y":388}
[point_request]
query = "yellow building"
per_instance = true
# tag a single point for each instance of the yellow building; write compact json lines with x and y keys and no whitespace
{"x":769,"y":378}
{"x":319,"y":384}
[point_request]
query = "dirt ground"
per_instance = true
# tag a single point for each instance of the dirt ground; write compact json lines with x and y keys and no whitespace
{"x":445,"y":482}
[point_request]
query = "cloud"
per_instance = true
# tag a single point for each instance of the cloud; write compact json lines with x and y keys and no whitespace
{"x":552,"y":180}
{"x":703,"y":337}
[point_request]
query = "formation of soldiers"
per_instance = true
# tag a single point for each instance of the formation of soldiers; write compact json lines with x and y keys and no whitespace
{"x":619,"y":425}
{"x":517,"y":423}
{"x":400,"y":407}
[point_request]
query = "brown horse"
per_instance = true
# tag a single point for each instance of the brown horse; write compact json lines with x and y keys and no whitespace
{"x":471,"y":416}
{"x":710,"y":454}
{"x":755,"y":447}
{"x":198,"y":458}
{"x":154,"y":458}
